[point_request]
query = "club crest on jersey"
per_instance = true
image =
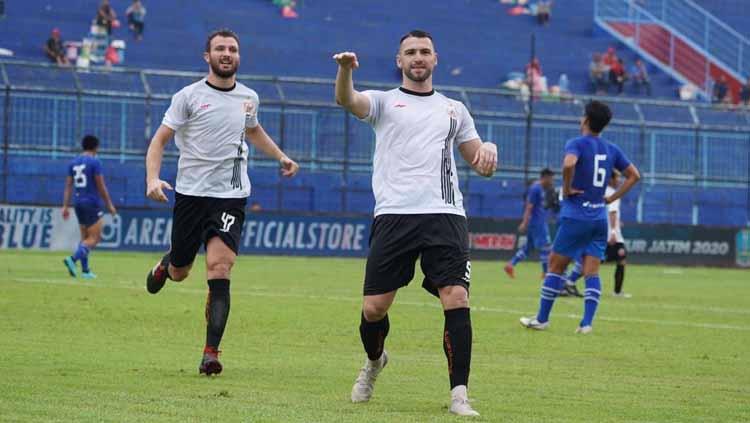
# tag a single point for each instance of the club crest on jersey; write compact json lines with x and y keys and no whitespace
{"x":248,"y":107}
{"x":452,"y":112}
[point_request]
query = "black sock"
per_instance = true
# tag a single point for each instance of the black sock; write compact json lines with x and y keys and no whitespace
{"x":373,"y":336}
{"x":619,"y":277}
{"x":217,"y":311}
{"x":457,"y":345}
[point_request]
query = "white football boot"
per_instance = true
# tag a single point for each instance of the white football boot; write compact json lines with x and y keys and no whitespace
{"x":584,"y":330}
{"x":460,"y":402}
{"x":363,"y":386}
{"x":532,"y":323}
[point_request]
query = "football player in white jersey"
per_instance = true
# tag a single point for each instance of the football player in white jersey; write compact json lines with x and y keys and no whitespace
{"x":418,"y":206}
{"x":210,"y":121}
{"x":616,"y":251}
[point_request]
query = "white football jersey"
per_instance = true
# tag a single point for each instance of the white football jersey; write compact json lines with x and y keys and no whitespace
{"x":414,"y":170}
{"x":614,"y":207}
{"x":209,"y":125}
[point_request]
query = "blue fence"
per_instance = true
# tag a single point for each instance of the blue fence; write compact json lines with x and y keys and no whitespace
{"x":695,"y":159}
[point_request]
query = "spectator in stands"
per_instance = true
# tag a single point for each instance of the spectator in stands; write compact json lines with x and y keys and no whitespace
{"x":534,"y":76}
{"x":543,"y":11}
{"x":721,"y":90}
{"x":106,"y":16}
{"x":287,"y":8}
{"x":598,"y":74}
{"x":610,"y":57}
{"x":745,"y":94}
{"x":54,"y":49}
{"x":136,"y":14}
{"x":617,"y":75}
{"x":640,"y":77}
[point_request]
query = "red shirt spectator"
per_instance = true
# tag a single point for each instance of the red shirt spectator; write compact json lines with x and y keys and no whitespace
{"x":610,"y":57}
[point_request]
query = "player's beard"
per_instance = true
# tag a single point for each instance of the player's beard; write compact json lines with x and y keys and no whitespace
{"x":221,"y":73}
{"x":425,"y":76}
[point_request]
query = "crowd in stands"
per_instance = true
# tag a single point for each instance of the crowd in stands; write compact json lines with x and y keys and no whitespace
{"x":745,"y":94}
{"x":98,"y":45}
{"x":542,"y":9}
{"x":608,"y":70}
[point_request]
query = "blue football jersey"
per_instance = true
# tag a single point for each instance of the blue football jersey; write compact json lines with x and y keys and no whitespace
{"x":536,"y":198}
{"x":83,"y":169}
{"x":596,"y":159}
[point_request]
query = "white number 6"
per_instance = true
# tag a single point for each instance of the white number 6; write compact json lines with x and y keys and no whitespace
{"x":600,"y":173}
{"x":79,"y":178}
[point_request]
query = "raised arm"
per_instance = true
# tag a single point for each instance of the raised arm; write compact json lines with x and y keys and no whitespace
{"x":632,"y":176}
{"x":102,"y":188}
{"x":154,"y":186}
{"x":481,"y":156}
{"x":346,"y":96}
{"x":264,"y":143}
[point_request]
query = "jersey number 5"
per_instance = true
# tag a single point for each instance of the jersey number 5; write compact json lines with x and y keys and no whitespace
{"x":79,"y":178}
{"x":600,"y":173}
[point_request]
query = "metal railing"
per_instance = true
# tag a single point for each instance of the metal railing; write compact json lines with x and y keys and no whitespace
{"x":44,"y":111}
{"x":666,"y":31}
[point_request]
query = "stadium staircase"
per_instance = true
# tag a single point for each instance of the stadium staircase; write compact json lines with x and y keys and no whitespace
{"x":681,"y":38}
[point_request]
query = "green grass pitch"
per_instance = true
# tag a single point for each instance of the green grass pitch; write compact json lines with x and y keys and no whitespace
{"x":105,"y":350}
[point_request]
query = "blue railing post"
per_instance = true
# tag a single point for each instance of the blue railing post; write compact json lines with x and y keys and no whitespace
{"x":55,"y":126}
{"x":707,"y":76}
{"x":596,"y":8}
{"x":123,"y":130}
{"x":314,"y":139}
{"x":739,"y":58}
{"x":671,"y":50}
{"x":663,"y":10}
{"x":637,"y":23}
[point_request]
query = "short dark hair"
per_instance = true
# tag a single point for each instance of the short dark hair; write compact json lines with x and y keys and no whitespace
{"x":416,"y":33}
{"x":546,"y":172}
{"x":90,"y":143}
{"x":221,"y":32}
{"x":598,"y":115}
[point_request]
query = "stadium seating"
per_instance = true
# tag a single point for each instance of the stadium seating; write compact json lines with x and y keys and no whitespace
{"x":175,"y":37}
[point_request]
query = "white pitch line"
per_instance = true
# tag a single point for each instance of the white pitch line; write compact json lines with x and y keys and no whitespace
{"x":258,"y":292}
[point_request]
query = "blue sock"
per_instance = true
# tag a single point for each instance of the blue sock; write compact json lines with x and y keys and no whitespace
{"x":552,"y":285}
{"x":519,"y":256}
{"x":544,"y":258}
{"x":575,"y":274}
{"x":591,"y":299}
{"x":85,"y":259}
{"x":80,"y":251}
